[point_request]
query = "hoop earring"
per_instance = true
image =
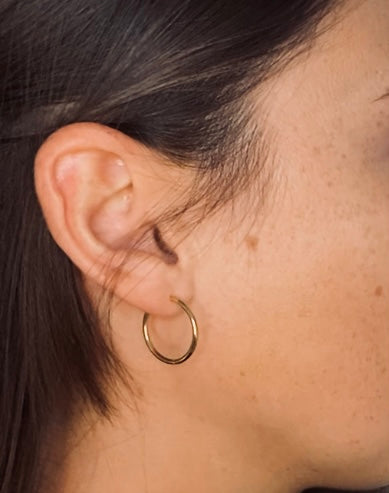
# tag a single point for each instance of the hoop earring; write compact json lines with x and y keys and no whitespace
{"x":193,"y":345}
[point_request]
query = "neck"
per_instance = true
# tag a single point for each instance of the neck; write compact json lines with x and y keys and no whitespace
{"x":169,"y":446}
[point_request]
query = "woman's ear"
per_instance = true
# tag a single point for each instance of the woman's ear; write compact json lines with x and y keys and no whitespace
{"x":99,"y":191}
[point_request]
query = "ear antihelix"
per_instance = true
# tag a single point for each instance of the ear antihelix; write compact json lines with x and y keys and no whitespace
{"x":116,"y":173}
{"x":110,"y":223}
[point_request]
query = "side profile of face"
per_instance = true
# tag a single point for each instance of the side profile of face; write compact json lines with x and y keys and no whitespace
{"x":298,"y":341}
{"x":299,"y":338}
{"x":299,"y":306}
{"x":289,"y":384}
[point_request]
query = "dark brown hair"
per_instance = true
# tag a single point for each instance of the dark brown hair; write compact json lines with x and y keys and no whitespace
{"x":174,"y":75}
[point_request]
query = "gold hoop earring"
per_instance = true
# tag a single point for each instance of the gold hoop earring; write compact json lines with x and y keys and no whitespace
{"x":193,"y":345}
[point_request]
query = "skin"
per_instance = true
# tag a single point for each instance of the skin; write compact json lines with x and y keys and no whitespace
{"x":289,"y":385}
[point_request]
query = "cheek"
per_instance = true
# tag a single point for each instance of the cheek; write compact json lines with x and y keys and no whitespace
{"x":373,"y":142}
{"x":319,"y":356}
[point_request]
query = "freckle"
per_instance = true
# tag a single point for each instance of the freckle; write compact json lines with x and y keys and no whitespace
{"x":242,"y":373}
{"x":252,"y":242}
{"x":355,"y":442}
{"x":317,"y":150}
{"x":379,"y":124}
{"x":329,"y":184}
{"x":344,"y":156}
{"x":378,"y":291}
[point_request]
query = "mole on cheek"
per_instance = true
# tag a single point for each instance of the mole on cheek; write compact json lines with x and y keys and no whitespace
{"x":252,"y":242}
{"x":378,"y":291}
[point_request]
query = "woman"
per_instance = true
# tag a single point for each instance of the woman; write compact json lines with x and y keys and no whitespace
{"x":194,"y":246}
